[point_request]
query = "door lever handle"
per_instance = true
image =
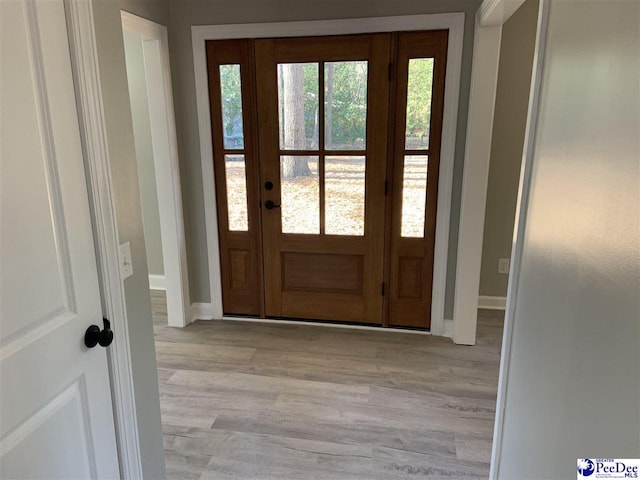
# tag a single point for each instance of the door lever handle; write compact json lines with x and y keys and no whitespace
{"x":269,"y":205}
{"x":94,"y":336}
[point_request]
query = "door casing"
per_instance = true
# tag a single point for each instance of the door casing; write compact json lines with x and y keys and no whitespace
{"x":166,"y":168}
{"x":90,"y":104}
{"x":323,"y":275}
{"x":453,"y":22}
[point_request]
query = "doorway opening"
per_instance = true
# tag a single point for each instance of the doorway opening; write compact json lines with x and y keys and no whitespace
{"x":326,"y":160}
{"x":148,"y":76}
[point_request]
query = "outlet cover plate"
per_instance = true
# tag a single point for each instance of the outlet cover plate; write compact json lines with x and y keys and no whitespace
{"x":126,"y":265}
{"x":503,"y":266}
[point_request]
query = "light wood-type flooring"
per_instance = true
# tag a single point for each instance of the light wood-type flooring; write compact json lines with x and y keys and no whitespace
{"x":264,"y":401}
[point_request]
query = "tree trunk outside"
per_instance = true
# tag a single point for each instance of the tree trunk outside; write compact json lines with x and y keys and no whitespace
{"x":280,"y":107}
{"x":328,"y":106}
{"x":294,"y":133}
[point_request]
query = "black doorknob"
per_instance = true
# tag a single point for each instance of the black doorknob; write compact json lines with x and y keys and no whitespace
{"x":94,"y":336}
{"x":268,"y":185}
{"x":270,"y":205}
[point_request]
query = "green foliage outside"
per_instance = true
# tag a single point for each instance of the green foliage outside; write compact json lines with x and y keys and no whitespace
{"x":231,"y":104}
{"x":345,"y":102}
{"x":349,"y":107}
{"x":419,"y":102}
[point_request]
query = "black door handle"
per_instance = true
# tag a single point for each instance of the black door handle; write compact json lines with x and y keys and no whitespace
{"x":94,"y":336}
{"x":270,"y":205}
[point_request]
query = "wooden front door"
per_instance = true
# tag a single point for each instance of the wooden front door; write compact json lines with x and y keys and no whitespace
{"x":326,"y":154}
{"x":323,"y":217}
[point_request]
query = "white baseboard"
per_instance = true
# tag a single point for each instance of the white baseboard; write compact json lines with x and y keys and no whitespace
{"x":447,"y":330}
{"x":201,"y":311}
{"x":156,"y":282}
{"x":492,"y":303}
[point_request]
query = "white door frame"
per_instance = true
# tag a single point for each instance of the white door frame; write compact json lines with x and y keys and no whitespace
{"x":454,"y":22}
{"x":475,"y":176}
{"x":155,"y":46}
{"x":84,"y":57}
{"x":490,"y":17}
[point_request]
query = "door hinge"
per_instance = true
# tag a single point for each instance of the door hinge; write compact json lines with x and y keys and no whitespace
{"x":386,"y":187}
{"x":390,"y":70}
{"x":382,"y":292}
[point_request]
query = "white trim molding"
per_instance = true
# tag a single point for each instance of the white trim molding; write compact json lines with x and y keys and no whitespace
{"x":454,"y":22}
{"x":484,"y":78}
{"x":448,"y":328}
{"x":203,"y":311}
{"x":488,"y":302}
{"x":519,"y":231}
{"x":84,"y":56}
{"x":157,"y":282}
{"x":494,"y":13}
{"x":155,"y":47}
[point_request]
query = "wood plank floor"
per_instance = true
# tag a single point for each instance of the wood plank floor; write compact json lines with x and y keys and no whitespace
{"x":261,"y":401}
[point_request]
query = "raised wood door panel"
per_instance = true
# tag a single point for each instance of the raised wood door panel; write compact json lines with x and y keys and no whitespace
{"x":416,"y":161}
{"x":320,"y":274}
{"x":56,"y":417}
{"x":235,"y":161}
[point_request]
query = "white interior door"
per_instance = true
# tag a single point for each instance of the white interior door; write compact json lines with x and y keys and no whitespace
{"x":56,"y":419}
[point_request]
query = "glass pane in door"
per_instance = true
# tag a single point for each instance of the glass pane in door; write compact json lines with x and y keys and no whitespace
{"x":344,"y":187}
{"x":300,"y":194}
{"x":419,"y":92}
{"x":345,"y":105}
{"x":414,"y":195}
{"x":298,"y":106}
{"x":236,"y":179}
{"x":231,"y":100}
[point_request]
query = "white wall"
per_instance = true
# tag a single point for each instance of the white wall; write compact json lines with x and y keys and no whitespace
{"x":573,"y":386}
{"x":139,"y":100}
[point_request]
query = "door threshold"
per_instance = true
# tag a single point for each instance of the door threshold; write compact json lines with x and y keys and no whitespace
{"x":330,"y":324}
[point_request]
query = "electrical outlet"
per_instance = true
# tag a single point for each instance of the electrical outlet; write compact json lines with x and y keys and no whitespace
{"x":126,"y":265}
{"x":503,"y":266}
